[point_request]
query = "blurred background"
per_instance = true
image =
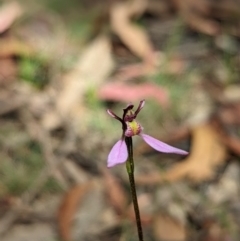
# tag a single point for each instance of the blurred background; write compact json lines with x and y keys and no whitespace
{"x":63,"y":63}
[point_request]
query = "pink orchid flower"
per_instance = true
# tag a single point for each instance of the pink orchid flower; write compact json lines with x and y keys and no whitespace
{"x":131,"y":127}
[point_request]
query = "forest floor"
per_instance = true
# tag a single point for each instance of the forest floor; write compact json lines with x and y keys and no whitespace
{"x":62,"y":66}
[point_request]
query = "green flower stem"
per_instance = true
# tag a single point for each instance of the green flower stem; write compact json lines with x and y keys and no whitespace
{"x":130,"y":170}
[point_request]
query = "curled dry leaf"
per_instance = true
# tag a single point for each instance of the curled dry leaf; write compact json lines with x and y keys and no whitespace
{"x":132,"y":36}
{"x":197,"y":14}
{"x":168,"y":229}
{"x":206,"y":153}
{"x":68,"y":208}
{"x":115,"y":192}
{"x":9,"y":12}
{"x":132,"y":93}
{"x":202,"y":15}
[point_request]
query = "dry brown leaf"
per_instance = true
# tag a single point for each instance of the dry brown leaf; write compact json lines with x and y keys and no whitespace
{"x":132,"y":93}
{"x":9,"y":12}
{"x":10,"y":47}
{"x":116,"y":194}
{"x":132,"y":36}
{"x":233,"y":143}
{"x":168,"y":229}
{"x":68,"y":208}
{"x":198,"y":15}
{"x":206,"y":153}
{"x":202,"y":15}
{"x":91,"y":69}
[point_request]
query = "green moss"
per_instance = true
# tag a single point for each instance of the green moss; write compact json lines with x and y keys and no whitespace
{"x":34,"y":71}
{"x":20,"y":168}
{"x":91,"y":98}
{"x":52,"y":186}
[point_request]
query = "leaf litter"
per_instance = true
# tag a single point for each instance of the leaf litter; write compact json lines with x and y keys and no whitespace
{"x":67,"y":115}
{"x":207,"y":152}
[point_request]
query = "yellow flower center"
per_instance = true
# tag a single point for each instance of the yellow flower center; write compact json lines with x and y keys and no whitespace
{"x":133,"y":128}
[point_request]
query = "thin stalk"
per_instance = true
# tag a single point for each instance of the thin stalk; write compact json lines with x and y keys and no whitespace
{"x":130,"y":170}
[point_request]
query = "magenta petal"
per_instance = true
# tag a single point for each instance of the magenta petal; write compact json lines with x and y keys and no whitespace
{"x":118,"y":154}
{"x":161,"y":146}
